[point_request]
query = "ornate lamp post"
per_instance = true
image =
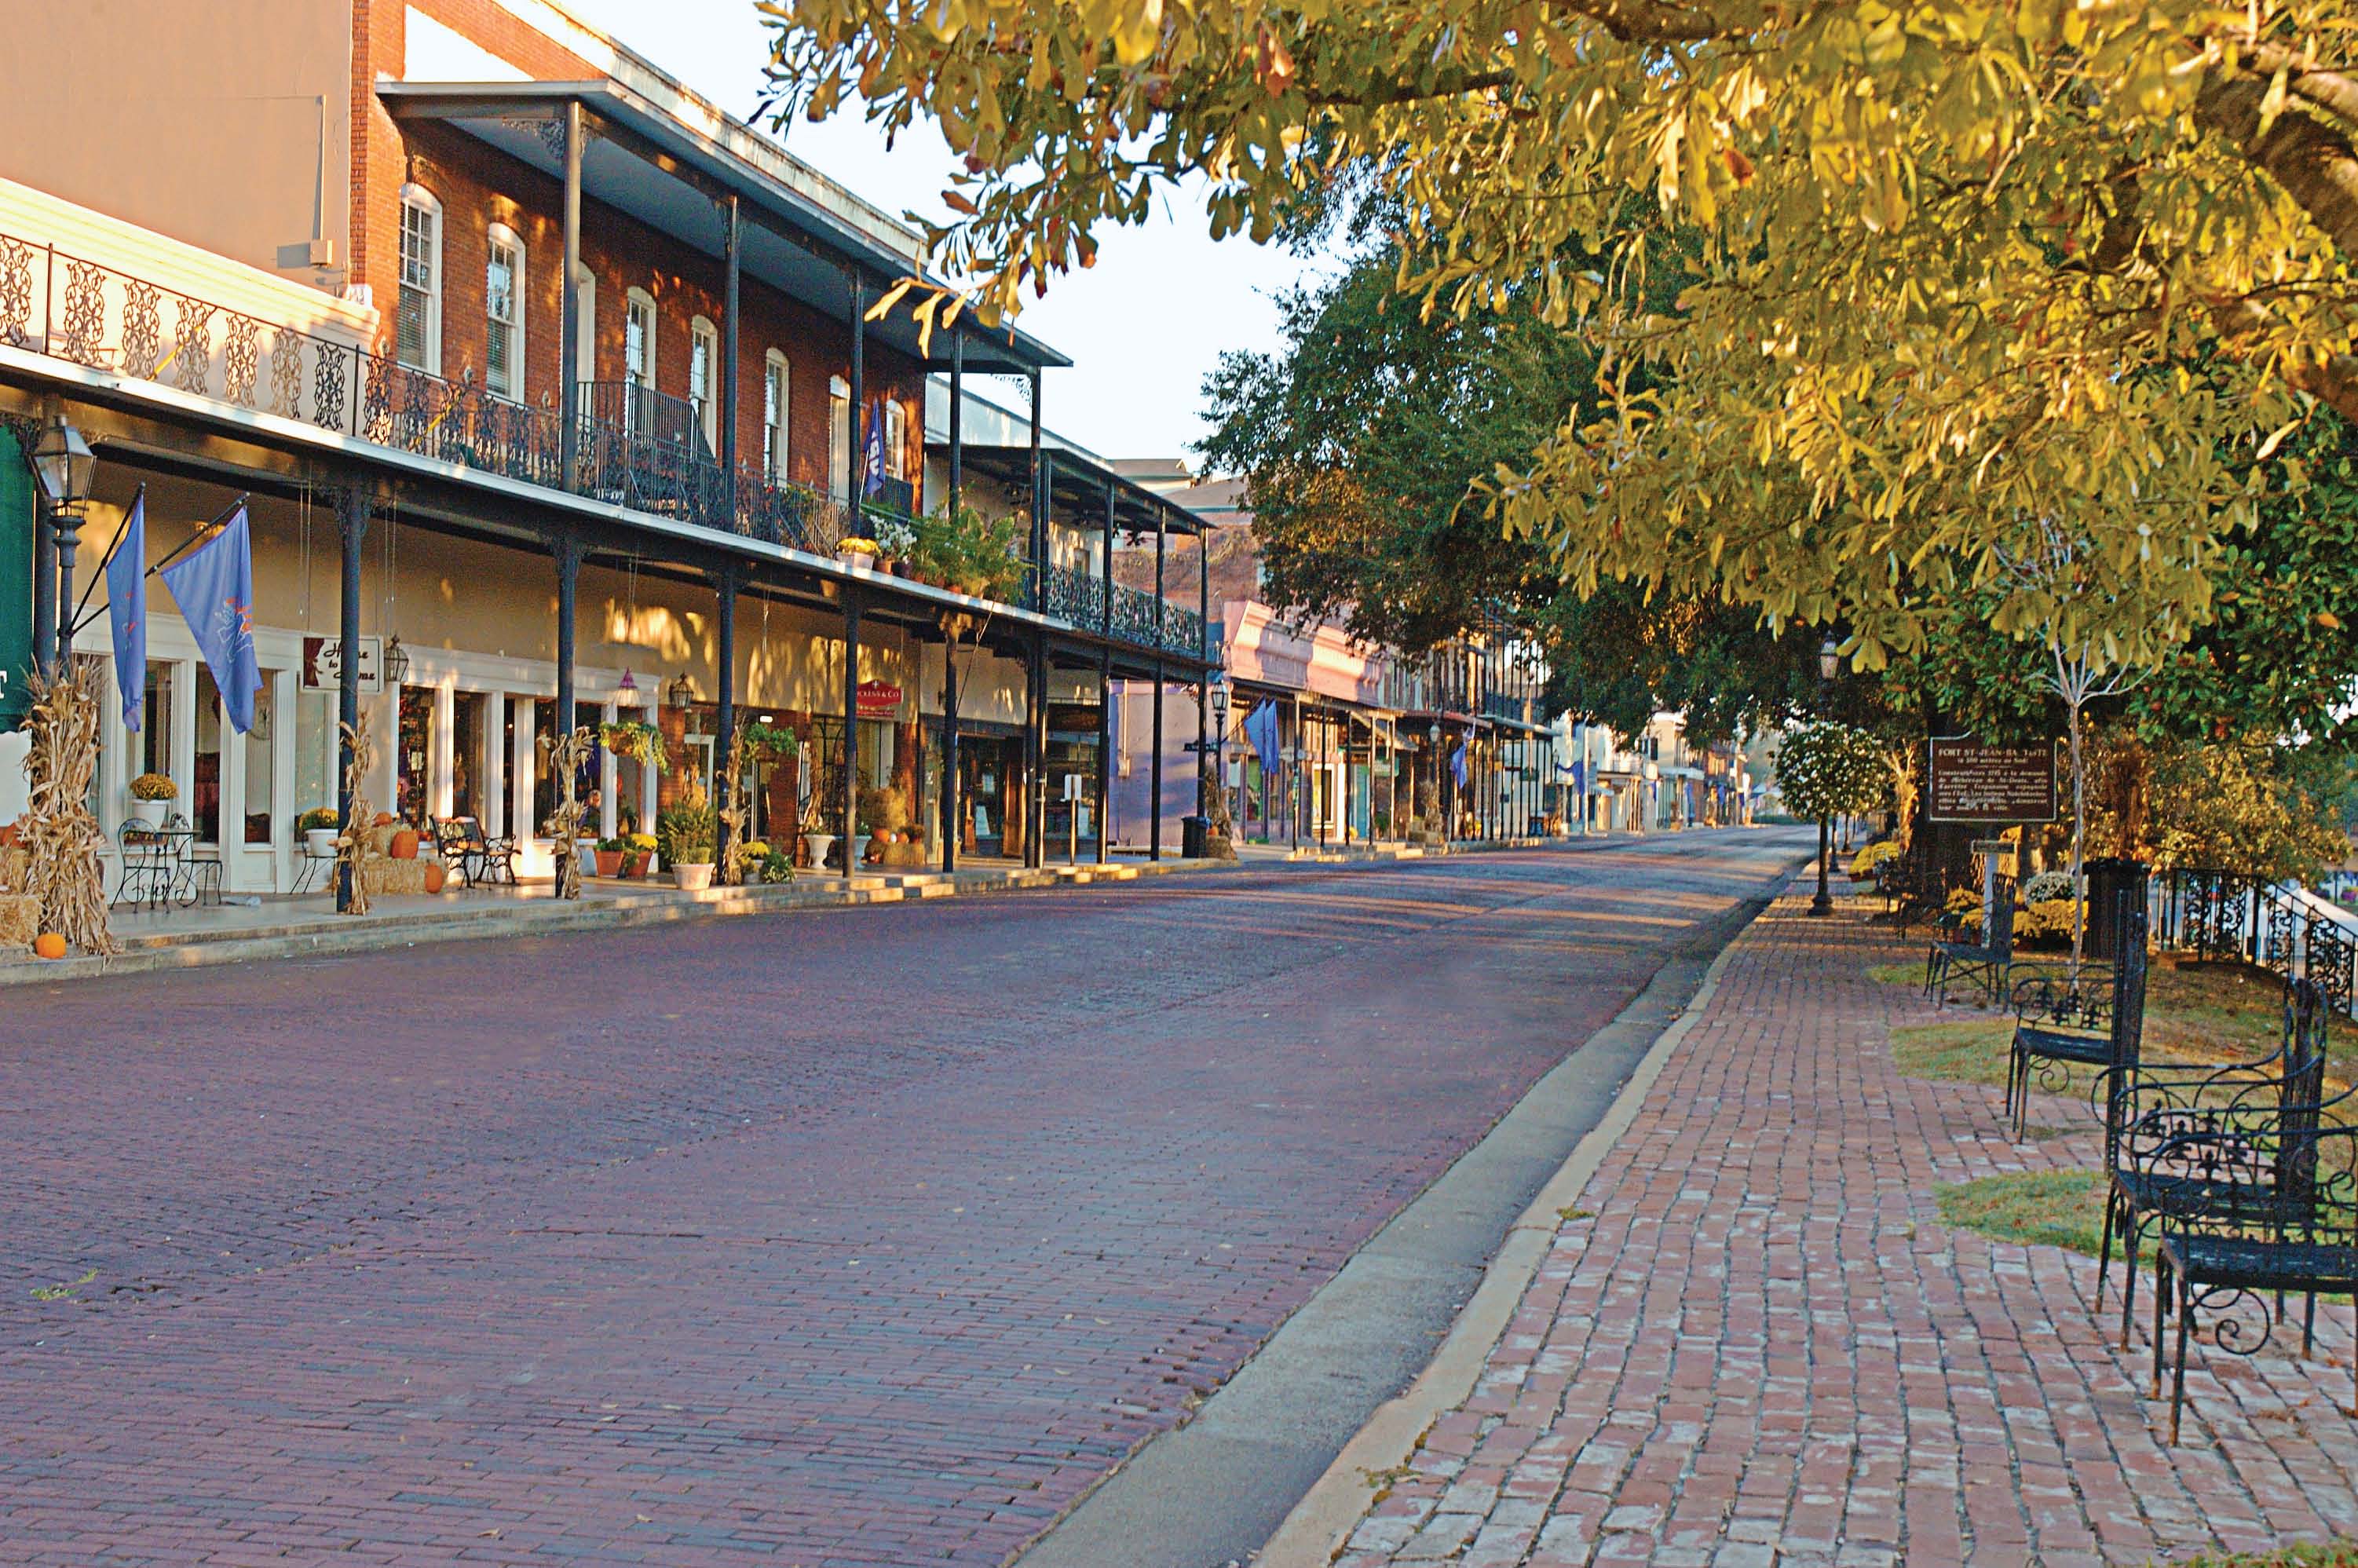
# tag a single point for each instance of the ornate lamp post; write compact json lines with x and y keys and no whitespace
{"x":65,"y":464}
{"x":1829,"y":666}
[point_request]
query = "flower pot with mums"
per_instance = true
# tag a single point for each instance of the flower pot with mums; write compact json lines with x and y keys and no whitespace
{"x":152,"y":795}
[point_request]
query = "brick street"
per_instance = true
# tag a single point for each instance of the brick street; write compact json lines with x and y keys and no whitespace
{"x":869,"y":1236}
{"x":1754,"y":1342}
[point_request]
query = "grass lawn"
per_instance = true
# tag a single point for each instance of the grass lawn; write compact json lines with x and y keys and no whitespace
{"x":2052,"y":1208}
{"x":2335,"y":1555}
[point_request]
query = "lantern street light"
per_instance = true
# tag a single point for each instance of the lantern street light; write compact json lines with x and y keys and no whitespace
{"x":397,"y":663}
{"x":1829,"y":667}
{"x":65,"y":464}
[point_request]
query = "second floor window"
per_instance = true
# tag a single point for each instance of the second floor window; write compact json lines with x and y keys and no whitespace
{"x":703,"y":355}
{"x":638,"y":363}
{"x":773,"y":416}
{"x":896,"y":439}
{"x":503,"y":313}
{"x":838,"y":438}
{"x":418,"y":324}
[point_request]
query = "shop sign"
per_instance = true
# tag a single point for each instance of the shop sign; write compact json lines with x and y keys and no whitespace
{"x":1968,"y":782}
{"x":323,"y":664}
{"x":878,"y":699}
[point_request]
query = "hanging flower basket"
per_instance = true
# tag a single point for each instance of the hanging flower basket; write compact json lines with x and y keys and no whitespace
{"x":635,"y":740}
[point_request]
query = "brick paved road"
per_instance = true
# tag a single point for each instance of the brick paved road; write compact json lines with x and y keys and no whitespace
{"x":871,"y":1237}
{"x":1761,"y":1345}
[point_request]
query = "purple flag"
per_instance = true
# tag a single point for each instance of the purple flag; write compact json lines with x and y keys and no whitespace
{"x":1457,"y":765}
{"x":126,"y":609}
{"x":214,"y":587}
{"x":873,"y":481}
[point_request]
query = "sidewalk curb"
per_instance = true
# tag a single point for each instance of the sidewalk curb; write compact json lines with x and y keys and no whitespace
{"x":1316,"y":1529}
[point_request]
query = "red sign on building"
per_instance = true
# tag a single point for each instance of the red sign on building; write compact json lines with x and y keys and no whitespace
{"x":879,"y":699}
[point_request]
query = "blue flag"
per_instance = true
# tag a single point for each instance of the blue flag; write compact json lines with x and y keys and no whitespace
{"x":1457,"y":765}
{"x":126,"y":609}
{"x":213,"y":585}
{"x":874,"y":461}
{"x":1260,"y":729}
{"x":1580,"y":778}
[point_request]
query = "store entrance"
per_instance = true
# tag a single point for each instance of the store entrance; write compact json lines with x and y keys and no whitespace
{"x":987,"y":769}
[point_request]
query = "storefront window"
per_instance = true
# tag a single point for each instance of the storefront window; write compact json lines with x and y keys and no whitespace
{"x":205,"y":802}
{"x":467,"y":737}
{"x":314,"y":750}
{"x":879,"y":750}
{"x":543,"y":778}
{"x":155,"y":721}
{"x":261,"y":758}
{"x":415,"y":758}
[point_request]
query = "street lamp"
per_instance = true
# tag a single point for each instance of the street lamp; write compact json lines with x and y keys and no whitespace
{"x":1829,"y":666}
{"x":1829,"y":661}
{"x":65,"y":463}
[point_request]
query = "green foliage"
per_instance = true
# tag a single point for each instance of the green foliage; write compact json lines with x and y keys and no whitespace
{"x":765,"y":740}
{"x":636,"y":740}
{"x":969,"y":553}
{"x":2034,"y":1208}
{"x":1830,"y":769}
{"x":777,"y":866}
{"x":2247,"y":805}
{"x":687,"y":832}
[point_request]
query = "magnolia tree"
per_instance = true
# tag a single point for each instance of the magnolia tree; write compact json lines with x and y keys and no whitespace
{"x":1827,"y":769}
{"x":1943,"y":263}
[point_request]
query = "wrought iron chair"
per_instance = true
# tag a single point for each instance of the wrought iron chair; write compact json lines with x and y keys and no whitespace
{"x":1986,"y":962}
{"x":479,"y":858}
{"x":2157,"y":1117}
{"x":2277,"y":1210}
{"x":2063,"y":1020}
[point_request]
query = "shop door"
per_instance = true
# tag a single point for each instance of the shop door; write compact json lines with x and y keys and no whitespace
{"x":982,"y":794}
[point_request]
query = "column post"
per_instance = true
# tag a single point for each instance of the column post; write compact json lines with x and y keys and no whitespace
{"x":352,"y":527}
{"x":1039,"y":506}
{"x":729,"y":349}
{"x":958,"y":423}
{"x":951,"y":826}
{"x":724,"y":694}
{"x":851,"y":791}
{"x":566,"y":548}
{"x":571,"y":370}
{"x":1106,"y":726}
{"x":858,"y":478}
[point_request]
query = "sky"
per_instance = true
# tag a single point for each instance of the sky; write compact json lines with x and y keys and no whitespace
{"x":1143,"y":327}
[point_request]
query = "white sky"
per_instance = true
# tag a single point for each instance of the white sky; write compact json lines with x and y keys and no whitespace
{"x":1143,"y":327}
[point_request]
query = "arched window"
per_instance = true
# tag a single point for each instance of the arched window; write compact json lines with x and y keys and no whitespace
{"x":504,"y":299}
{"x":417,"y":323}
{"x":638,"y":359}
{"x":838,"y":438}
{"x":773,"y":416}
{"x":703,"y":377}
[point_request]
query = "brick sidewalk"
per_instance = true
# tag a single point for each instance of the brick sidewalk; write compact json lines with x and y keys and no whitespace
{"x":1766,"y":1348}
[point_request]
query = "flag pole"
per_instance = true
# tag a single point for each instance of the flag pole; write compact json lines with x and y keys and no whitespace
{"x":178,"y":551}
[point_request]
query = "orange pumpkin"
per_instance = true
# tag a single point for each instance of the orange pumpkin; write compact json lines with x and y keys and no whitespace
{"x":435,"y":876}
{"x":49,"y":945}
{"x":384,"y":819}
{"x":405,"y":845}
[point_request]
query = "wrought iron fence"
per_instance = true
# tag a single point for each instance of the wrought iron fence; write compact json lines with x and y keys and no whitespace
{"x":2276,"y":926}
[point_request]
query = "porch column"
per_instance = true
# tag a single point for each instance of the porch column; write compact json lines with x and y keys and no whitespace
{"x":1105,"y":695}
{"x":571,"y":370}
{"x":850,"y":801}
{"x":729,"y":349}
{"x":567,"y":551}
{"x":1206,"y":762}
{"x":1295,"y":775}
{"x":958,"y":424}
{"x":1039,"y":506}
{"x":352,"y":526}
{"x":724,"y":587}
{"x":950,"y":824}
{"x":859,"y":476}
{"x":1154,"y":783}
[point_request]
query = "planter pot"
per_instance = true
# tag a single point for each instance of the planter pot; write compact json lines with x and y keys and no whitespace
{"x":855,"y":558}
{"x":821,"y":845}
{"x":635,"y":862}
{"x":692,"y":878}
{"x":320,"y":842}
{"x":152,"y":812}
{"x":609,"y":862}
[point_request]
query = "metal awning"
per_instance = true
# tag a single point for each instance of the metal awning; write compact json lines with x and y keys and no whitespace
{"x":652,"y":167}
{"x":1077,"y":484}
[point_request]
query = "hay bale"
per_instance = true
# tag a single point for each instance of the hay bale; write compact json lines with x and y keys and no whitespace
{"x":20,"y":919}
{"x":382,"y":877}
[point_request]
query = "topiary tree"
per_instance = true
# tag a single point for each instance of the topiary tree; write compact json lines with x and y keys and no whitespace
{"x":1827,"y":769}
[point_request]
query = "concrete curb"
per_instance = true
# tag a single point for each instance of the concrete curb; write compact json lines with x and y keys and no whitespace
{"x":326,"y":936}
{"x":1315,"y":1531}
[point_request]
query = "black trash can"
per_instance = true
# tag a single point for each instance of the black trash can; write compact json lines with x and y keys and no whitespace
{"x":1195,"y":836}
{"x":2116,"y":890}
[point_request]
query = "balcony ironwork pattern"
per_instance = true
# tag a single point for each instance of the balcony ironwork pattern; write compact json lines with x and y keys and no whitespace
{"x":633,"y":446}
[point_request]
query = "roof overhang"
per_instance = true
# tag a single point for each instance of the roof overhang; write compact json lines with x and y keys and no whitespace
{"x":675,"y":179}
{"x":1078,"y":486}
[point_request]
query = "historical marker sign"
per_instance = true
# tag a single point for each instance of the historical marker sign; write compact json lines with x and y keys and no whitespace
{"x":1968,"y":782}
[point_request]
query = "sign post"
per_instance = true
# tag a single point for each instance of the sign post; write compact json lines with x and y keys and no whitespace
{"x":1967,"y":782}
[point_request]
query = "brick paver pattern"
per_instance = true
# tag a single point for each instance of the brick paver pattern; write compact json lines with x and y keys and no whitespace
{"x":1755,"y":1342}
{"x":873,"y":1236}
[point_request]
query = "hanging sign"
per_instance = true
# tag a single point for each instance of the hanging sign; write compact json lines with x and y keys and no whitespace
{"x":879,"y":699}
{"x":1968,"y":782}
{"x":323,"y":664}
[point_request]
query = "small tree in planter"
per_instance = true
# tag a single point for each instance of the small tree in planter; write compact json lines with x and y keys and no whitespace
{"x":685,"y":834}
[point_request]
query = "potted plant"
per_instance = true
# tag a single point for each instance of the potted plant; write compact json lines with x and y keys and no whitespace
{"x":319,"y":827}
{"x":150,"y":795}
{"x":685,"y":836}
{"x":967,"y":552}
{"x":610,"y":853}
{"x":852,"y":551}
{"x":770,"y":741}
{"x":633,"y":738}
{"x":638,"y":854}
{"x":777,"y":866}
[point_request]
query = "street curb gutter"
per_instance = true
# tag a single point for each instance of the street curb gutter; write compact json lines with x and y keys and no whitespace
{"x":1317,"y":1529}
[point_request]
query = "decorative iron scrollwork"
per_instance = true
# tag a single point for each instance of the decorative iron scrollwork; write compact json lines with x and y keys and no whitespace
{"x":17,"y":293}
{"x":142,"y":330}
{"x":241,"y":359}
{"x":82,"y":323}
{"x":192,"y":346}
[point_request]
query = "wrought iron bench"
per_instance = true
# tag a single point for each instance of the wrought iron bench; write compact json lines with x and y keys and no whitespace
{"x":2093,"y":1019}
{"x":2163,"y":1124}
{"x":1986,"y":962}
{"x":479,"y":858}
{"x":2278,"y":1211}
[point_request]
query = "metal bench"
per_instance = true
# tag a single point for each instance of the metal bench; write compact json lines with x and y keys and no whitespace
{"x":480,"y":858}
{"x":1984,"y":963}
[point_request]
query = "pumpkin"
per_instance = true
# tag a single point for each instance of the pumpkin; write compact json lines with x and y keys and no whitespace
{"x":435,"y":876}
{"x":49,"y":945}
{"x":384,"y":819}
{"x":405,"y":845}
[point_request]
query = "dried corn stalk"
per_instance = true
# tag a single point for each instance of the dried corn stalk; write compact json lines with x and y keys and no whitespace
{"x":565,"y":759}
{"x":732,"y":816}
{"x":60,"y":835}
{"x":355,"y":845}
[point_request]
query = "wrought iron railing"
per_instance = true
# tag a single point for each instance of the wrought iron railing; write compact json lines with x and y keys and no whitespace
{"x":2275,"y":924}
{"x":632,"y":447}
